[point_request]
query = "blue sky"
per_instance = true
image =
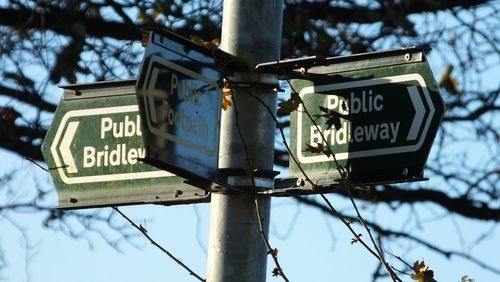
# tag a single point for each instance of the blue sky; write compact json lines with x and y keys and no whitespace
{"x":312,"y":246}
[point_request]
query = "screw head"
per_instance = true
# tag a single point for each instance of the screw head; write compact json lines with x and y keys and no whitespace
{"x":300,"y":182}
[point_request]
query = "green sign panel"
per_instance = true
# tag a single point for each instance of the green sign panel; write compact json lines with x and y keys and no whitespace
{"x":376,"y":115}
{"x":94,"y":150}
{"x":180,"y":103}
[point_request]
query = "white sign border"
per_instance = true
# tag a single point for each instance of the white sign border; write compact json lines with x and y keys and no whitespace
{"x":104,"y":177}
{"x":365,"y":153}
{"x":211,"y":151}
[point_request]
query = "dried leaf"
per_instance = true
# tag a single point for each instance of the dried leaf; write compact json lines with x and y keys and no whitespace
{"x":276,"y":272}
{"x":466,"y":278}
{"x":226,"y":92}
{"x":449,"y":83}
{"x":422,"y":273}
{"x":155,"y":14}
{"x":273,"y":252}
{"x":315,"y":186}
{"x":212,"y":45}
{"x":144,"y":39}
{"x":196,"y":40}
{"x":142,"y":17}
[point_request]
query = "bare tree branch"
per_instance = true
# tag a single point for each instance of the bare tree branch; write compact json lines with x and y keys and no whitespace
{"x":399,"y":234}
{"x":33,"y":99}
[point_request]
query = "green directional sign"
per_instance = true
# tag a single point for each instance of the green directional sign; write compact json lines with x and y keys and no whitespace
{"x":94,"y":150}
{"x":180,"y":104}
{"x":376,"y":115}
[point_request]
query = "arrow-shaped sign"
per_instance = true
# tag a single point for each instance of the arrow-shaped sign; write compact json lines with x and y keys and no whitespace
{"x":364,"y":131}
{"x":94,"y":150}
{"x":378,"y":121}
{"x":96,"y":160}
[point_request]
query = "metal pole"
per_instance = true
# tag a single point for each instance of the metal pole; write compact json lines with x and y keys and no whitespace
{"x":236,"y":251}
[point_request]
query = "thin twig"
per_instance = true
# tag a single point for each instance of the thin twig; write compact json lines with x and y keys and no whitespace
{"x":342,"y":173}
{"x":398,"y":234}
{"x":284,"y":140}
{"x":348,"y":185}
{"x":240,"y":134}
{"x":278,"y":271}
{"x":33,"y":161}
{"x":144,"y":232}
{"x":348,"y":225}
{"x":374,"y":243}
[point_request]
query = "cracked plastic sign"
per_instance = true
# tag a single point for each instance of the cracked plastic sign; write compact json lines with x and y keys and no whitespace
{"x":379,"y":122}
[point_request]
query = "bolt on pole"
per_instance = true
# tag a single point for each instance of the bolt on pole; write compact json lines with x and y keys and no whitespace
{"x":236,"y":251}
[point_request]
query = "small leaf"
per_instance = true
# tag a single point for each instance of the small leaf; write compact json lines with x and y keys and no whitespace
{"x":276,"y":272}
{"x":348,"y":220}
{"x":449,"y":83}
{"x":290,"y":105}
{"x":332,"y":117}
{"x":344,"y":106}
{"x":314,"y":149}
{"x":226,"y":92}
{"x":422,"y":273}
{"x":196,"y":40}
{"x":212,"y":45}
{"x":142,"y":17}
{"x":144,"y":39}
{"x":142,"y":229}
{"x":357,"y":239}
{"x":315,"y":186}
{"x":155,"y":14}
{"x":319,"y":148}
{"x":273,"y":252}
{"x":466,"y":278}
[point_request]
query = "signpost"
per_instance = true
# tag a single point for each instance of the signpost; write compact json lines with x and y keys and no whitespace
{"x":378,"y":113}
{"x":374,"y":115}
{"x":180,"y":100}
{"x":94,"y":150}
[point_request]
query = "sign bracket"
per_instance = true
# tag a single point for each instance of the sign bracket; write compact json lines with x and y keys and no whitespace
{"x":299,"y":66}
{"x":296,"y":186}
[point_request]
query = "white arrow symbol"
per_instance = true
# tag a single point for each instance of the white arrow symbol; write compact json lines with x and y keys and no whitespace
{"x":419,"y":112}
{"x":66,"y":141}
{"x":149,"y":91}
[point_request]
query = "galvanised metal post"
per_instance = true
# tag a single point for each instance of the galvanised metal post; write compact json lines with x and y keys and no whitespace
{"x":236,"y":251}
